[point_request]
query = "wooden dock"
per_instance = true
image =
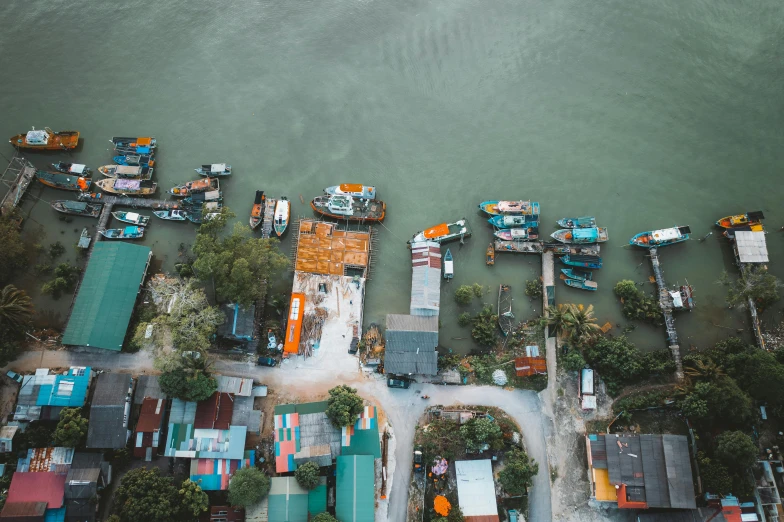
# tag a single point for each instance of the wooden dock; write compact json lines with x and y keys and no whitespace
{"x":665,"y":303}
{"x":17,"y":177}
{"x":269,"y":218}
{"x":109,"y":202}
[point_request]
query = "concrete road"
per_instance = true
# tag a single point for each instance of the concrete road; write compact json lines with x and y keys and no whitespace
{"x":402,"y":407}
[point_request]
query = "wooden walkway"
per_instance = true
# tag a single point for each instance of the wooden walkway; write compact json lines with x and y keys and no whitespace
{"x":269,"y":218}
{"x":17,"y":176}
{"x":665,"y":303}
{"x":109,"y":202}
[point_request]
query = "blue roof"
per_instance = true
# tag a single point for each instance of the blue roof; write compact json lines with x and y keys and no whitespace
{"x":55,"y":515}
{"x":585,"y":233}
{"x":68,"y":390}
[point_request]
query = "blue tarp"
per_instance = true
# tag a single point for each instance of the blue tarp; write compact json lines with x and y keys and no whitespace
{"x":55,"y":515}
{"x":68,"y":390}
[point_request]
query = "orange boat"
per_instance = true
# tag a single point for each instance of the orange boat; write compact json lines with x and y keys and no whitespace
{"x":46,"y":139}
{"x":741,"y":220}
{"x":490,"y":255}
{"x":195,"y":187}
{"x":294,"y":326}
{"x":257,"y":212}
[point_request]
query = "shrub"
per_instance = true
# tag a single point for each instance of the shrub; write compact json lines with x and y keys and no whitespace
{"x":464,"y":294}
{"x":343,"y":405}
{"x":307,"y":475}
{"x":637,"y":305}
{"x":464,"y":319}
{"x":248,"y":486}
{"x":518,"y":473}
{"x":573,"y":361}
{"x":533,"y":288}
{"x":56,"y":249}
{"x":478,"y":432}
{"x":484,"y":331}
{"x":71,"y":430}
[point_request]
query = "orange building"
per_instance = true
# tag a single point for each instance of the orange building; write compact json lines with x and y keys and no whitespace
{"x":294,"y":325}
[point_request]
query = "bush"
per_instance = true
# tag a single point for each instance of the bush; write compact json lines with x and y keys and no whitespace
{"x":484,"y":331}
{"x":736,"y":450}
{"x":56,"y":249}
{"x":248,"y":486}
{"x":533,"y":288}
{"x":616,"y":360}
{"x":65,"y":279}
{"x":307,"y":475}
{"x":194,"y":388}
{"x":573,"y":361}
{"x":637,"y":305}
{"x":641,"y":400}
{"x":464,"y":319}
{"x":324,"y":517}
{"x":478,"y":290}
{"x":518,"y":473}
{"x":343,"y":405}
{"x":71,"y":430}
{"x":480,"y":431}
{"x":464,"y":295}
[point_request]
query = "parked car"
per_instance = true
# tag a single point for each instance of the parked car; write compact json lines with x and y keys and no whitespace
{"x":398,"y":382}
{"x":266,"y":361}
{"x":418,"y":460}
{"x":15,"y":376}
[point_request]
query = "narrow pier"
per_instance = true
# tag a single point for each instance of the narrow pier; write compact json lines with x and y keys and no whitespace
{"x":269,"y":218}
{"x":109,"y":202}
{"x":17,"y":176}
{"x":548,"y":300}
{"x":665,"y":303}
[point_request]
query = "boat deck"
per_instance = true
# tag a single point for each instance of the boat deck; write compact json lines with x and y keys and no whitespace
{"x":267,"y":224}
{"x":362,"y":210}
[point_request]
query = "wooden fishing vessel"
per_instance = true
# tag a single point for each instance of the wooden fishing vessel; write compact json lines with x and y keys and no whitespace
{"x":490,"y":255}
{"x":444,"y":232}
{"x":517,"y":234}
{"x":518,"y":247}
{"x":660,"y":238}
{"x":257,"y":212}
{"x":127,"y":187}
{"x":581,"y":275}
{"x":741,"y":220}
{"x":355,"y":190}
{"x":129,"y":232}
{"x":143,"y":145}
{"x":282,"y":215}
{"x":131,"y":217}
{"x":580,"y":236}
{"x":506,"y":222}
{"x":581,"y":284}
{"x":214,"y":170}
{"x":195,"y":187}
{"x":126,"y":171}
{"x":46,"y":139}
{"x":77,"y":208}
{"x":63,"y":181}
{"x":135,"y":160}
{"x":449,"y":266}
{"x":505,"y":315}
{"x":577,"y":222}
{"x":173,"y":214}
{"x":510,"y":208}
{"x":349,"y":209}
{"x":76,"y":169}
{"x":582,"y":261}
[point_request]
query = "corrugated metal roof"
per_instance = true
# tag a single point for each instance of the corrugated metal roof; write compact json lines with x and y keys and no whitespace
{"x":679,"y":473}
{"x":147,"y":386}
{"x":411,"y":323}
{"x":751,"y":247}
{"x":37,"y":487}
{"x":39,"y":460}
{"x":215,"y":412}
{"x":317,"y":498}
{"x":23,"y":509}
{"x":354,"y":500}
{"x":64,"y":390}
{"x":214,"y":473}
{"x":111,"y":389}
{"x":525,"y":366}
{"x":475,"y":488}
{"x":151,"y":415}
{"x":82,"y":483}
{"x":287,"y":500}
{"x":235,"y":385}
{"x":107,"y":295}
{"x":425,"y":279}
{"x":404,"y":363}
{"x":245,"y":415}
{"x":108,"y":428}
{"x":410,"y":344}
{"x":182,"y":412}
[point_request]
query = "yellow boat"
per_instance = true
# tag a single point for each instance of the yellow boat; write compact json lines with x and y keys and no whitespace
{"x":741,"y":220}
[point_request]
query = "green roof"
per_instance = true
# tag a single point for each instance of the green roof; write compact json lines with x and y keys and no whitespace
{"x":317,"y":498}
{"x":303,"y":409}
{"x":107,"y":295}
{"x":355,"y":497}
{"x":289,"y":502}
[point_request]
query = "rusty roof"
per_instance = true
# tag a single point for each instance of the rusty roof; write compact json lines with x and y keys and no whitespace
{"x":151,"y":415}
{"x":525,"y":366}
{"x":215,"y":412}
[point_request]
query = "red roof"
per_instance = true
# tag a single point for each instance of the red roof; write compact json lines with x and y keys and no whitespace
{"x":525,"y":366}
{"x":151,"y":415}
{"x":37,"y":487}
{"x":215,"y":412}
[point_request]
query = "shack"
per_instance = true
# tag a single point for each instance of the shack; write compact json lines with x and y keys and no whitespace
{"x":411,"y":343}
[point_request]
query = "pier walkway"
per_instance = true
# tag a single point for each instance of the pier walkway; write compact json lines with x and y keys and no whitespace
{"x":109,"y":202}
{"x":269,"y":218}
{"x":548,"y":299}
{"x":17,"y":176}
{"x":666,"y":305}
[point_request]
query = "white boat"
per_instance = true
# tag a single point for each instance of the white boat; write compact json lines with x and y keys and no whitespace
{"x":444,"y":232}
{"x":214,"y":170}
{"x":355,"y":190}
{"x":449,"y":265}
{"x":282,"y":215}
{"x":131,"y":217}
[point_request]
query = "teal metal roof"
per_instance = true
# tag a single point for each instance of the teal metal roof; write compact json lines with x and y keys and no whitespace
{"x":303,"y":408}
{"x":288,"y":501}
{"x":317,"y":498}
{"x":107,"y":295}
{"x":355,"y":498}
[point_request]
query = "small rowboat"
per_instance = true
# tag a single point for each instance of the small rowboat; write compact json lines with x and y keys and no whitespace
{"x":582,"y":285}
{"x":171,"y":214}
{"x":123,"y":233}
{"x":741,"y":220}
{"x":72,"y":168}
{"x":490,"y":255}
{"x":131,"y":217}
{"x":580,"y":275}
{"x":578,"y":222}
{"x":126,"y":171}
{"x":282,"y":215}
{"x":77,"y":208}
{"x":355,"y":190}
{"x":257,"y":212}
{"x":195,"y":187}
{"x":214,"y":170}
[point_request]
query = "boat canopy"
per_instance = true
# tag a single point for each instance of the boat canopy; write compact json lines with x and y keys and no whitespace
{"x":131,"y":230}
{"x":217,"y":167}
{"x":141,"y":142}
{"x":677,"y":301}
{"x":520,"y":207}
{"x":133,"y":216}
{"x":519,"y":232}
{"x":76,"y":206}
{"x":127,"y":184}
{"x":340,"y":203}
{"x":665,"y":234}
{"x":358,"y":190}
{"x":77,"y":168}
{"x":437,"y":231}
{"x":585,"y":233}
{"x":126,"y":170}
{"x":513,"y":220}
{"x":37,"y":137}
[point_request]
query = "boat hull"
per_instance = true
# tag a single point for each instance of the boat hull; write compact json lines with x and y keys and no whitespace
{"x":355,"y":190}
{"x":510,"y":208}
{"x":108,"y":185}
{"x":63,"y":181}
{"x":640,"y":241}
{"x":82,"y":209}
{"x":578,"y":222}
{"x":282,"y":216}
{"x":580,"y":236}
{"x":582,"y":261}
{"x":581,"y":284}
{"x":168,"y":215}
{"x":64,"y":140}
{"x":443,"y":233}
{"x":140,"y":220}
{"x":376,"y":214}
{"x":577,"y":274}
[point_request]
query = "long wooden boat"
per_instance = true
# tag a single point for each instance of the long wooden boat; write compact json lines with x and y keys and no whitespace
{"x":517,"y":234}
{"x":449,"y":265}
{"x":46,"y":139}
{"x":505,"y":315}
{"x":171,"y":214}
{"x":582,"y":261}
{"x":131,"y":217}
{"x":581,"y":236}
{"x":577,"y":222}
{"x":294,"y":324}
{"x":355,"y":190}
{"x":510,"y":208}
{"x":660,"y":238}
{"x":490,"y":255}
{"x":214,"y":170}
{"x":135,"y":160}
{"x":142,"y":145}
{"x":518,"y":247}
{"x":76,"y":169}
{"x":195,"y":187}
{"x":741,"y":220}
{"x":126,"y":171}
{"x":505,"y":221}
{"x":444,"y":232}
{"x":565,"y":248}
{"x":729,"y":233}
{"x":282,"y":215}
{"x":63,"y":181}
{"x":77,"y":208}
{"x":257,"y":212}
{"x":129,"y":232}
{"x":349,"y":209}
{"x":581,"y":275}
{"x":581,"y":284}
{"x":129,"y":187}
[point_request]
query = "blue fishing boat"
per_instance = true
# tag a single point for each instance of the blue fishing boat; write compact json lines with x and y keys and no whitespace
{"x":142,"y":145}
{"x":582,"y":261}
{"x":174,"y":214}
{"x":135,"y":160}
{"x":510,"y":208}
{"x":581,"y":275}
{"x":582,"y":285}
{"x":578,"y":222}
{"x":214,"y":170}
{"x":513,"y":221}
{"x":131,"y":217}
{"x":660,"y":238}
{"x":123,"y":233}
{"x":580,"y":236}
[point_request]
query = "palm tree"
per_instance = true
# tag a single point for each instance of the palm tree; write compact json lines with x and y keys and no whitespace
{"x":16,"y":307}
{"x":558,"y":319}
{"x":582,"y":324}
{"x":704,"y":371}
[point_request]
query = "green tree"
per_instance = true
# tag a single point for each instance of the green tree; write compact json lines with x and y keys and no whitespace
{"x":617,"y":361}
{"x":736,"y":450}
{"x":518,"y":473}
{"x":760,"y":374}
{"x":56,"y":249}
{"x":196,"y":387}
{"x":720,"y":403}
{"x":145,"y":495}
{"x":573,"y":361}
{"x":573,"y":323}
{"x":324,"y":517}
{"x":13,"y":255}
{"x":480,"y":431}
{"x":464,"y":295}
{"x":478,"y":290}
{"x":533,"y":288}
{"x":248,"y":486}
{"x":307,"y":475}
{"x":464,"y":319}
{"x":65,"y":279}
{"x":636,"y":304}
{"x":754,"y":284}
{"x":71,"y":430}
{"x":703,"y":370}
{"x":715,"y":477}
{"x":37,"y":435}
{"x":193,"y":499}
{"x":484,"y":330}
{"x":343,"y":405}
{"x":16,"y":307}
{"x":113,"y":518}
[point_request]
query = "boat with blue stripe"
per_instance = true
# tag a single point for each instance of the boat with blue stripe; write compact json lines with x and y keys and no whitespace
{"x":660,"y":238}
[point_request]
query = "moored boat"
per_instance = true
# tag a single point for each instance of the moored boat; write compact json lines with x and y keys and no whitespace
{"x":346,"y":207}
{"x":505,"y":315}
{"x":204,"y":212}
{"x":282,"y":215}
{"x":131,"y":217}
{"x":129,"y":232}
{"x":582,"y":284}
{"x":195,"y":187}
{"x":129,"y":187}
{"x":171,"y":214}
{"x":581,"y":236}
{"x":443,"y":232}
{"x":257,"y":212}
{"x":135,"y":160}
{"x":580,"y":275}
{"x":46,"y":139}
{"x":510,"y":208}
{"x":741,"y":220}
{"x":355,"y":190}
{"x":660,"y":238}
{"x":582,"y":261}
{"x":63,"y":181}
{"x":577,"y":222}
{"x":729,"y":233}
{"x":72,"y":168}
{"x":214,"y":170}
{"x":517,"y":234}
{"x":202,"y":198}
{"x":77,"y":208}
{"x":565,"y":248}
{"x":490,"y":255}
{"x":518,"y":247}
{"x":126,"y":171}
{"x":142,"y":145}
{"x":505,"y":221}
{"x":449,"y":266}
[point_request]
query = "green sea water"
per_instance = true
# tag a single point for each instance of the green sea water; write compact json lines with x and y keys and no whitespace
{"x":644,"y":114}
